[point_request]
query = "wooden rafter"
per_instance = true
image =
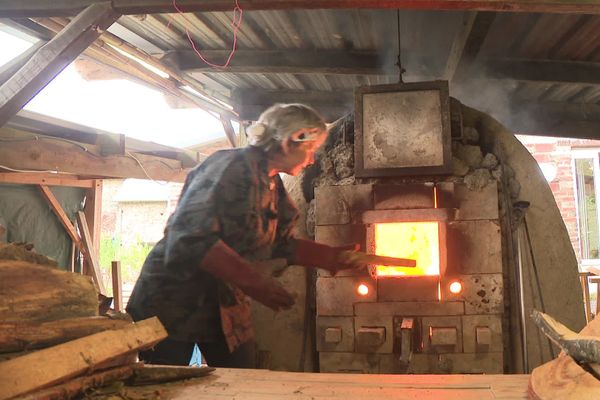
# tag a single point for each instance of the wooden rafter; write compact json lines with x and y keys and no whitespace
{"x":478,"y":31}
{"x":44,"y":8}
{"x":10,"y":68}
{"x":60,"y":213}
{"x":54,"y":57}
{"x":549,"y":71}
{"x":458,"y":45}
{"x":229,"y":132}
{"x":332,"y":105}
{"x":286,"y":61}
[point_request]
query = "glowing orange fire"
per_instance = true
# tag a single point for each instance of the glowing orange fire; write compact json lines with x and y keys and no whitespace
{"x":414,"y":240}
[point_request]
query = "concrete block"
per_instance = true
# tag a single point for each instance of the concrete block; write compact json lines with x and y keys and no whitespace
{"x":338,"y":204}
{"x":473,"y":204}
{"x":361,"y":363}
{"x":462,"y":363}
{"x":336,"y":295}
{"x":403,"y":196}
{"x":442,"y":335}
{"x":408,"y":288}
{"x":482,"y":333}
{"x":483,"y":294}
{"x":410,"y":309}
{"x":335,"y":334}
{"x":374,"y":334}
{"x":474,"y":247}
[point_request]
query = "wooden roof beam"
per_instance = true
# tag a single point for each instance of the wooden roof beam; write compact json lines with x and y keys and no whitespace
{"x":286,"y":61}
{"x":44,"y":8}
{"x":549,"y":71}
{"x":52,"y":58}
{"x":332,"y":105}
{"x":477,"y":26}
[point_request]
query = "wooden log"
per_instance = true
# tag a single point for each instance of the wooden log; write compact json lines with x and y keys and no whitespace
{"x":563,"y":379}
{"x":580,"y":347}
{"x":30,"y":292}
{"x":57,"y":364}
{"x":78,"y":386}
{"x":20,"y":336}
{"x":152,"y":374}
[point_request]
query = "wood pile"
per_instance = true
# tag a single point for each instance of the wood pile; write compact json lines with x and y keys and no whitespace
{"x":573,"y":375}
{"x":53,"y":344}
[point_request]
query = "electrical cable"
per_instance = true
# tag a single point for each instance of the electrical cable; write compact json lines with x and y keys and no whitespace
{"x":236,"y":23}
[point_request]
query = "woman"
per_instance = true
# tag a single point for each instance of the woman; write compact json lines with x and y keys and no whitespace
{"x":233,"y":211}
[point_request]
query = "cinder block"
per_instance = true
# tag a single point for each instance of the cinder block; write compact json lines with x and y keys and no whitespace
{"x":408,"y":288}
{"x":337,"y":205}
{"x":361,"y":363}
{"x":482,"y":293}
{"x":473,"y":204}
{"x":482,"y":333}
{"x":463,"y":363}
{"x":410,"y":308}
{"x":442,"y":334}
{"x":474,"y":247}
{"x":336,"y":296}
{"x":403,"y":196}
{"x":377,"y":334}
{"x":330,"y":329}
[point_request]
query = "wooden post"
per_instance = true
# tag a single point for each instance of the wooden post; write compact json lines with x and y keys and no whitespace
{"x":93,"y":213}
{"x":585,"y":287}
{"x":117,"y":286}
{"x":90,"y":258}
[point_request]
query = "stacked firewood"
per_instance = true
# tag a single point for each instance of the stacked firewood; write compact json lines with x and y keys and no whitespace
{"x":53,"y":343}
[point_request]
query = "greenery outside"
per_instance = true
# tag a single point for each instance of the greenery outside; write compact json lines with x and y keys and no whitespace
{"x":131,"y":256}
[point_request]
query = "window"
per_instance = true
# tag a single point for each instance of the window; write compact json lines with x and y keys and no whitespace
{"x":587,"y":185}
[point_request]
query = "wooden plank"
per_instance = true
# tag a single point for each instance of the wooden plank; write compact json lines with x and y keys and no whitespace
{"x":229,"y":132}
{"x":43,"y":8}
{"x":10,"y":68}
{"x":32,"y":178}
{"x":247,"y":384}
{"x":458,"y":45}
{"x":151,"y":374}
{"x":78,"y":386}
{"x":282,"y":61}
{"x":117,"y":285}
{"x":89,"y":254}
{"x":53,"y":365}
{"x":546,"y":71}
{"x":93,"y":214}
{"x":52,"y":58}
{"x":477,"y":34}
{"x":70,"y":158}
{"x":28,"y":335}
{"x":62,"y":216}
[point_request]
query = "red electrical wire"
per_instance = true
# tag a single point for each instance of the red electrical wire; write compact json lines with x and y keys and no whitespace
{"x":236,"y":22}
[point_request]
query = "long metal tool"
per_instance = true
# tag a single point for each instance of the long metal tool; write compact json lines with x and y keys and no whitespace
{"x":522,"y":302}
{"x":384,"y":260}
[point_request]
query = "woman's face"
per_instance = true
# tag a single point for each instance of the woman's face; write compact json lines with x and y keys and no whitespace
{"x":300,"y":154}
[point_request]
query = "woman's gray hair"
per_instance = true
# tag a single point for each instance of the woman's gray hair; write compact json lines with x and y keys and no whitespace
{"x":280,"y":121}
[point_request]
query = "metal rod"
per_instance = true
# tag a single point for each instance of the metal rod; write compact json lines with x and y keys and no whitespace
{"x":522,"y":303}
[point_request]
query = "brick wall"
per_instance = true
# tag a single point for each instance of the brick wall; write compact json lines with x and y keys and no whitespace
{"x":558,"y":152}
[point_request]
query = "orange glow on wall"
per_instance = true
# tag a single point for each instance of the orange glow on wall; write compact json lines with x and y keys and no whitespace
{"x":414,"y":240}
